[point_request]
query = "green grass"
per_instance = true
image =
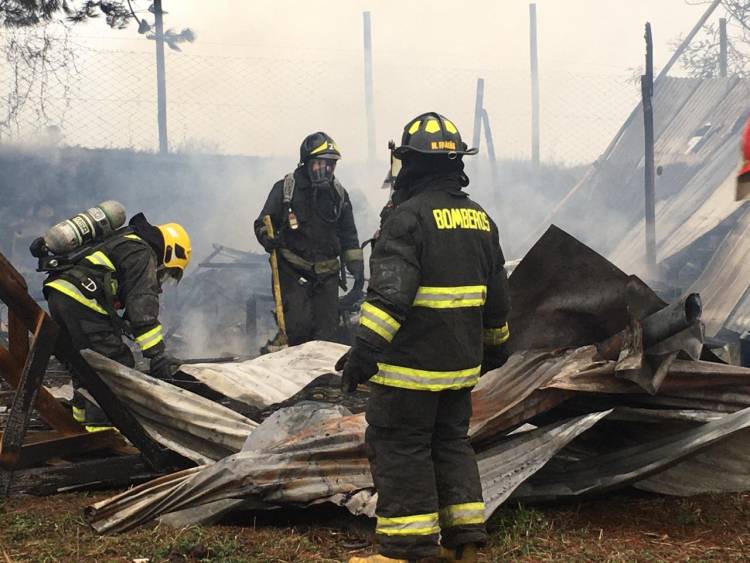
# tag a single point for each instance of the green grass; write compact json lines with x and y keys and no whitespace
{"x":617,"y":529}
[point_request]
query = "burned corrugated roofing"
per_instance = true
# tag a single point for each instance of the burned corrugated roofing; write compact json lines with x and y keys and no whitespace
{"x":313,"y":452}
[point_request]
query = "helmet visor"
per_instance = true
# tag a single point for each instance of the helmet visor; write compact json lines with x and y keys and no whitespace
{"x":321,"y":169}
{"x":169,"y":277}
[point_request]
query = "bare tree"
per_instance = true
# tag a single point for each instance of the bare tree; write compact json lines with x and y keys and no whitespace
{"x":40,"y":59}
{"x":701,"y":57}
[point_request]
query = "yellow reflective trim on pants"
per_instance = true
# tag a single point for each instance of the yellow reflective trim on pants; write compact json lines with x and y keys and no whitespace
{"x":451,"y":297}
{"x":150,"y":339}
{"x":378,"y":321}
{"x":496,"y":336}
{"x":67,"y":288}
{"x":462,"y":514}
{"x":416,"y":525}
{"x":98,"y":258}
{"x":424,"y":380}
{"x":79,"y":415}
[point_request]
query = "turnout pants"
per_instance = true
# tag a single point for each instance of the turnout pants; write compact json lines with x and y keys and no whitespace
{"x":424,"y":470}
{"x":310,"y":304}
{"x":92,"y":330}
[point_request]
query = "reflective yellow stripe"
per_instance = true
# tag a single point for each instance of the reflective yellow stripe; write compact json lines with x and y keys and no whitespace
{"x":496,"y":336}
{"x":424,"y":380}
{"x":417,"y":525}
{"x":320,"y":148}
{"x":67,"y":288}
{"x":79,"y":415}
{"x":131,"y":236}
{"x":100,"y":259}
{"x":451,"y":297}
{"x":150,"y":339}
{"x":462,"y":514}
{"x":378,"y":321}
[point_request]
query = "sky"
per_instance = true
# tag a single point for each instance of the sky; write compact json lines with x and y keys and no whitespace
{"x":262,"y":75}
{"x":574,"y":34}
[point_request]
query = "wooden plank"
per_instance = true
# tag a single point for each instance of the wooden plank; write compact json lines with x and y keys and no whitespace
{"x":39,"y":451}
{"x":18,"y":338}
{"x":101,"y":473}
{"x":32,"y":375}
{"x":50,"y":410}
{"x":14,"y":293}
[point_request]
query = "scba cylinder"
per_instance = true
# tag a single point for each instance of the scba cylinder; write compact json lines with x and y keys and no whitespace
{"x":93,"y":224}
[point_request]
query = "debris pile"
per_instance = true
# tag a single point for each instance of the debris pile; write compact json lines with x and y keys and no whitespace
{"x":607,"y":388}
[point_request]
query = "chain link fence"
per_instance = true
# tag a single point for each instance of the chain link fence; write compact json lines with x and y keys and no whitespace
{"x":96,"y":98}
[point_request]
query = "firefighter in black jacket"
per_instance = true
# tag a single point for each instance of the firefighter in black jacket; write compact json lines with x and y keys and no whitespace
{"x":125,"y":271}
{"x":314,"y":226}
{"x":434,"y":320}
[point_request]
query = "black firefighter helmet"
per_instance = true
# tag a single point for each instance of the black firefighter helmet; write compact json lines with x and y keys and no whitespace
{"x":318,"y":145}
{"x":432,"y":133}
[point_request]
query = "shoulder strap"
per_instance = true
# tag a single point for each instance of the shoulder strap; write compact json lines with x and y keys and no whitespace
{"x":288,"y":191}
{"x":339,"y":189}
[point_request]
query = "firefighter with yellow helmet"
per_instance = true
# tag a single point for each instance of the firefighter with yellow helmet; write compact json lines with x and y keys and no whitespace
{"x":109,"y":287}
{"x":434,"y":320}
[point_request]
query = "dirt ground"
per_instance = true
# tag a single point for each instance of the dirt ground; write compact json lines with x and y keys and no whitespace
{"x":625,"y":527}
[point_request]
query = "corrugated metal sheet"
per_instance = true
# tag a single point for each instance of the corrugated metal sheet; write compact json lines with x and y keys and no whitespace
{"x":311,"y":452}
{"x":696,"y":190}
{"x":726,"y":279}
{"x":189,"y":424}
{"x":697,"y":127}
{"x":599,"y":473}
{"x":272,"y":378}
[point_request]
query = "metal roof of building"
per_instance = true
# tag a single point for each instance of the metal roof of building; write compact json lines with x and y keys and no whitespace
{"x":697,"y":126}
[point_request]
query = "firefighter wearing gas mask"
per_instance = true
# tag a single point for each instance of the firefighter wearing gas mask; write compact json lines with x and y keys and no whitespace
{"x":110,"y":287}
{"x":314,"y":229}
{"x":434,"y":320}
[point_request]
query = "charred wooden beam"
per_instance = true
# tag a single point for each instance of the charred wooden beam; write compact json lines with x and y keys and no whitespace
{"x":101,"y":473}
{"x":32,"y":375}
{"x":57,"y":447}
{"x":50,"y":410}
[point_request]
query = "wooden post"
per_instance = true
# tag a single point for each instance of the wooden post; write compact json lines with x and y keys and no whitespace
{"x":369,"y":96}
{"x":161,"y":81}
{"x":478,"y":112}
{"x":723,"y":47}
{"x":534,"y":87}
{"x":647,"y":92}
{"x":31,"y":379}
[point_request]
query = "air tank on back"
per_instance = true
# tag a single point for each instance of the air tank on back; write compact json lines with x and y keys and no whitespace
{"x":94,"y":224}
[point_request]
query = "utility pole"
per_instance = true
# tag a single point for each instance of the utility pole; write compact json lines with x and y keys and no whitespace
{"x":161,"y":84}
{"x":647,"y":92}
{"x":478,"y":112}
{"x":723,"y":47}
{"x":534,"y":87}
{"x":368,"y":87}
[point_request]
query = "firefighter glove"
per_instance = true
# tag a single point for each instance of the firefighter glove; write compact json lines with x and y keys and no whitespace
{"x":269,"y":244}
{"x":357,"y":269}
{"x":164,"y":365}
{"x":359,"y":364}
{"x":351,"y":300}
{"x":494,"y":357}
